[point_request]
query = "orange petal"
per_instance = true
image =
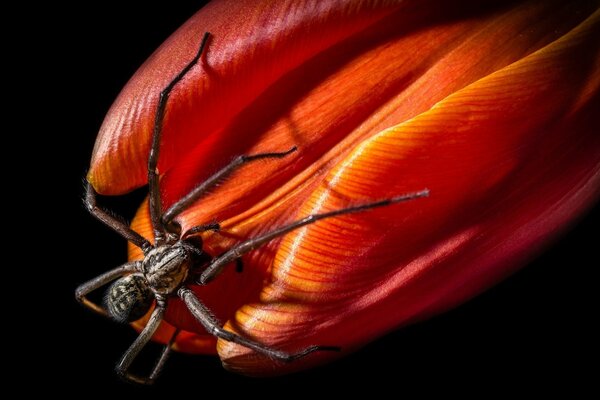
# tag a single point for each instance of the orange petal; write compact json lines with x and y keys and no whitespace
{"x":510,"y":161}
{"x":405,"y":69}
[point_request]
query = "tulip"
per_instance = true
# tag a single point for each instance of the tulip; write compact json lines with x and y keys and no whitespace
{"x":491,"y":107}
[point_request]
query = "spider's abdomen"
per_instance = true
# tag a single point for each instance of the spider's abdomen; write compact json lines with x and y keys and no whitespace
{"x":166,"y":268}
{"x":128,"y":299}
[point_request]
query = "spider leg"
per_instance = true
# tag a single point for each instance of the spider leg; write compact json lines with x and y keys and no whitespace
{"x":202,"y":188}
{"x":213,"y":326}
{"x":202,"y":228}
{"x":164,"y":355}
{"x":153,"y":177}
{"x":112,"y":222}
{"x":138,"y":345}
{"x":218,"y":263}
{"x":99,"y":281}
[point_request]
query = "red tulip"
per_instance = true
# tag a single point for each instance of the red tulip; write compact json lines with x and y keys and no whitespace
{"x":490,"y":107}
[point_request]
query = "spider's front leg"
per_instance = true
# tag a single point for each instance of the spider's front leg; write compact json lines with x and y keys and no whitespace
{"x":236,"y":252}
{"x":218,"y":176}
{"x":160,"y":228}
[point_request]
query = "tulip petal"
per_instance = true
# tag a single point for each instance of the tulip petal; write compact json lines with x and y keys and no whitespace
{"x":263,"y":50}
{"x":256,"y":42}
{"x":279,"y":74}
{"x":405,"y":71}
{"x":510,"y":161}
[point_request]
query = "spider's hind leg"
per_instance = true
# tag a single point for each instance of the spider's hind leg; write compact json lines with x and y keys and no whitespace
{"x":84,"y":289}
{"x":132,"y":352}
{"x":212,"y":326}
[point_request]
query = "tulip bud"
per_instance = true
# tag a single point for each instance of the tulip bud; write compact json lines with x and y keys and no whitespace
{"x":492,"y":108}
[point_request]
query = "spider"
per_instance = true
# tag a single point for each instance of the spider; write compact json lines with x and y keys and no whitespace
{"x":177,"y":260}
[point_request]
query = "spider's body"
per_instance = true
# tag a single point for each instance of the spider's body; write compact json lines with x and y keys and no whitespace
{"x":177,"y":260}
{"x":159,"y":275}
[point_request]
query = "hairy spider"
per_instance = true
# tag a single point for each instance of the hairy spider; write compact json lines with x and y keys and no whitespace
{"x":177,"y":260}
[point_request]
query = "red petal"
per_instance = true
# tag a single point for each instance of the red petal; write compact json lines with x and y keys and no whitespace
{"x":255,"y":44}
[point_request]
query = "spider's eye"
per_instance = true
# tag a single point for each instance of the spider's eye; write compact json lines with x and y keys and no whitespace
{"x":128,"y":299}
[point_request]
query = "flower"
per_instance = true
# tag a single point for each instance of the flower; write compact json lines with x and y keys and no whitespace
{"x":489,"y":107}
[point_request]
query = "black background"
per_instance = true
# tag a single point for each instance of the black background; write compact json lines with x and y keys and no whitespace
{"x":534,"y":330}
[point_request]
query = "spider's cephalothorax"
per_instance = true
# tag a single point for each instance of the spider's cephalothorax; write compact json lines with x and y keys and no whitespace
{"x":176,"y":260}
{"x":167,"y":267}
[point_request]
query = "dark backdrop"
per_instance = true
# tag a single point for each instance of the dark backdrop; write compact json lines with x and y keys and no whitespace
{"x":534,"y":329}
